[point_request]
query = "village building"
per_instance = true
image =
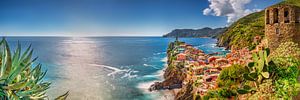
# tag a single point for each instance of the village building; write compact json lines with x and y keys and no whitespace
{"x":181,"y":57}
{"x":282,"y":23}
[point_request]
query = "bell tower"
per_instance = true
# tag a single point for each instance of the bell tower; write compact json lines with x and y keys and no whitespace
{"x":282,"y":23}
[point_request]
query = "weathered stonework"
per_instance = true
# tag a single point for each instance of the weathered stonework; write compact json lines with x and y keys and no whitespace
{"x":282,"y":23}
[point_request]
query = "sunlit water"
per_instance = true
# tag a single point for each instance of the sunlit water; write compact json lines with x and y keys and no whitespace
{"x":105,"y":68}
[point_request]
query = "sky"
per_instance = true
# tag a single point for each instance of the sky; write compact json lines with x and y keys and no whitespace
{"x":119,"y":17}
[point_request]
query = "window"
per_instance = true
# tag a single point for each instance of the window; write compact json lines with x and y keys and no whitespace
{"x":286,"y":16}
{"x":298,"y":17}
{"x":268,"y":17}
{"x":277,"y":31}
{"x":275,"y":15}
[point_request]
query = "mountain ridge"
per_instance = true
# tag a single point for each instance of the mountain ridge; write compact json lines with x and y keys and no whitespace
{"x":196,"y":33}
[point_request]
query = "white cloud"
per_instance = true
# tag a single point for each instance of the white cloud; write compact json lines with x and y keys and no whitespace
{"x":232,"y":9}
{"x":206,"y":11}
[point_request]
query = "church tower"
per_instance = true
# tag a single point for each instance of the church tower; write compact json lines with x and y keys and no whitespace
{"x":282,"y":23}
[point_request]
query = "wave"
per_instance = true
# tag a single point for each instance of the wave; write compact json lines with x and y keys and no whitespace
{"x":148,"y":80}
{"x":165,"y":59}
{"x":128,"y":73}
{"x":213,"y":45}
{"x":159,"y":53}
{"x":153,"y":66}
{"x":77,"y":42}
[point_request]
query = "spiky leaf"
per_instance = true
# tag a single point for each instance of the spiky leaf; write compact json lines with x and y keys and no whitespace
{"x":63,"y":97}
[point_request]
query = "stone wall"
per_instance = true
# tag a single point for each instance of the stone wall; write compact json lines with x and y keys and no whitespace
{"x":282,"y":25}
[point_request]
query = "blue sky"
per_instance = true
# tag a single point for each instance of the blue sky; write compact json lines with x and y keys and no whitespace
{"x":114,"y":17}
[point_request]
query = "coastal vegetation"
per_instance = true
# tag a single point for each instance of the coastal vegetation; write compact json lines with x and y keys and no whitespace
{"x":263,"y":79}
{"x":240,"y":34}
{"x":20,"y":77}
{"x":258,"y":74}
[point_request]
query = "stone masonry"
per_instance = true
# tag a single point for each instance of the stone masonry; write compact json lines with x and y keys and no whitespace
{"x":282,"y":23}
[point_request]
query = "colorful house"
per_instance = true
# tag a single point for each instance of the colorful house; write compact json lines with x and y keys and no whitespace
{"x":181,"y":57}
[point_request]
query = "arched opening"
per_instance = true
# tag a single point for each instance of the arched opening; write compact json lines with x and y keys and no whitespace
{"x":268,"y":17}
{"x":277,"y":31}
{"x":275,"y":15}
{"x":298,"y":17}
{"x":286,"y":15}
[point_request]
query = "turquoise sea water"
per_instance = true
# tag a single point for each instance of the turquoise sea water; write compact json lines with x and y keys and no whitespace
{"x":105,"y":68}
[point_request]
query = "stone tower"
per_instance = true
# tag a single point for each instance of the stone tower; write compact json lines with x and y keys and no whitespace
{"x":282,"y":23}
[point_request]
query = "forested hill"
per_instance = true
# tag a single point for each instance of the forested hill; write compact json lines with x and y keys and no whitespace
{"x":242,"y":32}
{"x":204,"y":32}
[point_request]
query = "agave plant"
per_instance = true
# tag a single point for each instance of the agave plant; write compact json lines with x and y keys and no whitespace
{"x":20,"y":77}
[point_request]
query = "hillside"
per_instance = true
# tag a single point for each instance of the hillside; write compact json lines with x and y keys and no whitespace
{"x":241,"y":33}
{"x":204,"y":32}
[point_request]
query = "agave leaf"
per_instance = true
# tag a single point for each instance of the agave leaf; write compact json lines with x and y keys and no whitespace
{"x":6,"y":65}
{"x":2,"y":94}
{"x":38,"y":97}
{"x":40,"y":94}
{"x":8,"y":58}
{"x":18,"y":70}
{"x":26,"y":52}
{"x":2,"y":65}
{"x":16,"y":86}
{"x":28,"y":57}
{"x":37,"y":89}
{"x":14,"y":74}
{"x":16,"y":56}
{"x":63,"y":97}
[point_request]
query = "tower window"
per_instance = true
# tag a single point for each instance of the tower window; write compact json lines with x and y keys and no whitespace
{"x":268,"y":17}
{"x":275,"y":15}
{"x":277,"y":31}
{"x":298,"y":18}
{"x":286,"y":16}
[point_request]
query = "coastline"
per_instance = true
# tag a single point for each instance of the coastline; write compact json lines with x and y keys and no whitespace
{"x":158,"y":95}
{"x":167,"y":83}
{"x":187,"y":65}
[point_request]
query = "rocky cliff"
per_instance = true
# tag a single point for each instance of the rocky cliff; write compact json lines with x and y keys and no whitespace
{"x":173,"y":77}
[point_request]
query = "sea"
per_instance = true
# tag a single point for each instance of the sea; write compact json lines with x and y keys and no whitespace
{"x":105,"y":68}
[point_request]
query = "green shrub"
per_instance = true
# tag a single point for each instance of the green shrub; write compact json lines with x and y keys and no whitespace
{"x":287,"y":54}
{"x":287,"y":60}
{"x":231,"y":75}
{"x":220,"y":94}
{"x":287,"y":84}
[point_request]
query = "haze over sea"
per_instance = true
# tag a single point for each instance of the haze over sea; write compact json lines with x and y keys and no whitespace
{"x":105,"y":68}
